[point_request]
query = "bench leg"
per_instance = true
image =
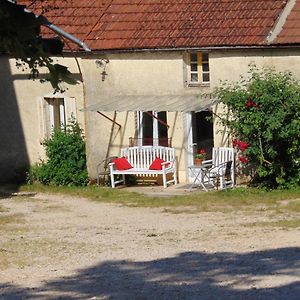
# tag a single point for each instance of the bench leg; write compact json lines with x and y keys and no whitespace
{"x":175,"y":178}
{"x":164,"y":179}
{"x":112,"y":180}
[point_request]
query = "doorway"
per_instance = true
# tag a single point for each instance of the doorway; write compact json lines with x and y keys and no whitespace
{"x":200,"y":135}
{"x":202,"y":131}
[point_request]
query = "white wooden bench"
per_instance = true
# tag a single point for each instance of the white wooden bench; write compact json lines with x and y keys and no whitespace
{"x":141,"y":158}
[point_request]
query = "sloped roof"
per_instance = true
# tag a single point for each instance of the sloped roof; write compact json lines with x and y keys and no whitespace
{"x":77,"y":17}
{"x":291,"y":30}
{"x":163,"y":24}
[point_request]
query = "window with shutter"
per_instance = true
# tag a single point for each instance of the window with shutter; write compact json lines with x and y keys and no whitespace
{"x":54,"y":113}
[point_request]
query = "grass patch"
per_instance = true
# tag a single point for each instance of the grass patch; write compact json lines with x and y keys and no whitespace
{"x":239,"y":198}
{"x":284,"y":224}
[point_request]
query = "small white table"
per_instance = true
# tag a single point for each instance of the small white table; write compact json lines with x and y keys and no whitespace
{"x":197,"y":172}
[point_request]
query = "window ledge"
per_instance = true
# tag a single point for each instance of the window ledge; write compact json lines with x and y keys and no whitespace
{"x":200,"y":84}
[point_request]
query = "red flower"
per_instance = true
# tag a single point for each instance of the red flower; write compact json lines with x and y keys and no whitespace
{"x":243,"y":159}
{"x":243,"y":146}
{"x":201,"y":154}
{"x":240,"y":144}
{"x":250,"y":103}
{"x":234,"y":143}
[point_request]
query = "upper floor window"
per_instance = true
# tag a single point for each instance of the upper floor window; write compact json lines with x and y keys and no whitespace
{"x":198,"y":68}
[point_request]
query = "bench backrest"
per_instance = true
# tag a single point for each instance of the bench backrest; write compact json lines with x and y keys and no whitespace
{"x":141,"y":157}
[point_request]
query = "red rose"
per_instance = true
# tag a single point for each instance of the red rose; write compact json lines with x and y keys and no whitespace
{"x":240,"y":144}
{"x":243,"y":159}
{"x":250,"y":103}
{"x":243,"y":146}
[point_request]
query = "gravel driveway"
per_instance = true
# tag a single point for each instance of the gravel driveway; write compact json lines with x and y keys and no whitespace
{"x":58,"y":247}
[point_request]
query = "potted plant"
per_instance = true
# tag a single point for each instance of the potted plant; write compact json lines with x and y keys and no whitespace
{"x":200,"y":156}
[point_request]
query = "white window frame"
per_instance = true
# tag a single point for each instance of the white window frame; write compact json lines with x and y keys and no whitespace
{"x":140,"y":128}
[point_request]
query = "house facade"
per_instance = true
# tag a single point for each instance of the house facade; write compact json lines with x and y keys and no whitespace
{"x":150,"y":76}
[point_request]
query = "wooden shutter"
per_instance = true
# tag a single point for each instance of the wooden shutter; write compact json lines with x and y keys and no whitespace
{"x":43,"y":117}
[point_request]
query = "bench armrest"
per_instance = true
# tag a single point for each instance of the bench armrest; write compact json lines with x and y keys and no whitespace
{"x":111,"y":166}
{"x":168,"y":164}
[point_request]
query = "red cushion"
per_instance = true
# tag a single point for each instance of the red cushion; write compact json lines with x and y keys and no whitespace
{"x":156,"y":164}
{"x":122,"y":163}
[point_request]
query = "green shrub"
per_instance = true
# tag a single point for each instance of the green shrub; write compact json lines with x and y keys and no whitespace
{"x":66,"y":159}
{"x":265,"y":122}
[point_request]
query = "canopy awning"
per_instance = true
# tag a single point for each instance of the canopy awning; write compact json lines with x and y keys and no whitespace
{"x":181,"y":103}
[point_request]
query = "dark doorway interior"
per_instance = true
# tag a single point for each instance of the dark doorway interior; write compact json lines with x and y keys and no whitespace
{"x":203,"y":135}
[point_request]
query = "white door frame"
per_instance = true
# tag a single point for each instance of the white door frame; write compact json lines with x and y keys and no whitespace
{"x":189,"y":151}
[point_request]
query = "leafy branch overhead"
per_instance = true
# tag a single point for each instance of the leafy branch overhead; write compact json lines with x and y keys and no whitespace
{"x":20,"y":36}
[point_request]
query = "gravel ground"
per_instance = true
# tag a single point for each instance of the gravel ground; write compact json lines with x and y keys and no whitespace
{"x":60,"y":247}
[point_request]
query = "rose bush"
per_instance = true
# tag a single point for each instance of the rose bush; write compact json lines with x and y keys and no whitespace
{"x":264,"y":119}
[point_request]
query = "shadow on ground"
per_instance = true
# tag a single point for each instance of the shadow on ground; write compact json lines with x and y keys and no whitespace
{"x":9,"y":190}
{"x":190,"y":275}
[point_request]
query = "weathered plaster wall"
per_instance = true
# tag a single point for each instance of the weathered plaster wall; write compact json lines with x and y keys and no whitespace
{"x":161,"y":73}
{"x":19,"y":115}
{"x":128,"y":73}
{"x":138,"y":73}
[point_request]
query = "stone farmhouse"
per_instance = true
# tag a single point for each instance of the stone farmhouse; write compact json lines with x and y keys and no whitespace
{"x":150,"y":75}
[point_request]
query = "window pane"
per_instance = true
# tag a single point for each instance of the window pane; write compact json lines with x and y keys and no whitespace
{"x":205,"y":77}
{"x":162,"y":129}
{"x":194,"y":57}
{"x":205,"y":57}
{"x":194,"y":77}
{"x":205,"y":67}
{"x":56,"y":112}
{"x":194,"y":67}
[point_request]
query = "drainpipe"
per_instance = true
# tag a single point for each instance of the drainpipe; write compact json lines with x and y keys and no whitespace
{"x":44,"y":21}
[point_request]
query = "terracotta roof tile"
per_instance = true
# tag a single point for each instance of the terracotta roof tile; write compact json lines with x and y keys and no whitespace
{"x":291,"y":29}
{"x":128,"y":24}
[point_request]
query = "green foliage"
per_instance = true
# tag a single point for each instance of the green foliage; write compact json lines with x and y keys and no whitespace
{"x":66,"y":160}
{"x":265,"y":115}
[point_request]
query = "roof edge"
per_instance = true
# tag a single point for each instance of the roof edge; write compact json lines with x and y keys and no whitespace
{"x":211,"y":48}
{"x":280,"y":21}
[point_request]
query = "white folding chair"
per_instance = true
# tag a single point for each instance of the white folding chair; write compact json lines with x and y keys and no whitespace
{"x":220,"y":174}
